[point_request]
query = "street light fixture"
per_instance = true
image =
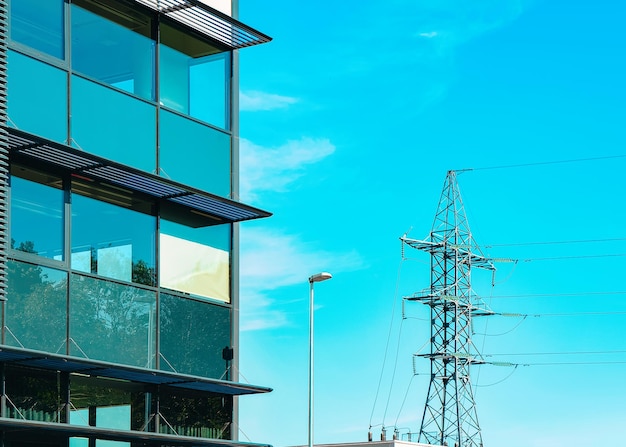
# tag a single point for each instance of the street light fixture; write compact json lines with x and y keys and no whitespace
{"x":319,"y":277}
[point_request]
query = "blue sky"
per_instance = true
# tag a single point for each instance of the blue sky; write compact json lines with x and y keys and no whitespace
{"x":350,"y":119}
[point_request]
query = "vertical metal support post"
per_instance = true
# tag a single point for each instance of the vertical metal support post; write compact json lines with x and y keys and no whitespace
{"x":311,"y":365}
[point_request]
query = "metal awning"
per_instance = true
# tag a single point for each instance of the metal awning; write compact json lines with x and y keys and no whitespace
{"x":56,"y":430}
{"x":207,"y":209}
{"x":55,"y":362}
{"x":208,"y":21}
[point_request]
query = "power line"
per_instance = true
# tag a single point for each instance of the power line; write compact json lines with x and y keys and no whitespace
{"x":559,"y":258}
{"x":579,"y":241}
{"x":557,"y":353}
{"x":567,"y":363}
{"x":550,"y":295}
{"x":564,"y":314}
{"x":523,"y":165}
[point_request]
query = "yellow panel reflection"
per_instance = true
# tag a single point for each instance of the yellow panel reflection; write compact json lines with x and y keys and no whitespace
{"x":194,"y":268}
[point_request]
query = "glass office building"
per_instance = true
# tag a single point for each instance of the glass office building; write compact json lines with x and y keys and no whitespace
{"x":118,"y":268}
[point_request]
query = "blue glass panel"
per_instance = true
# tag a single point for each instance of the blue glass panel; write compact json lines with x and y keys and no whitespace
{"x":38,"y":24}
{"x":35,"y":310}
{"x":194,"y":77}
{"x":209,"y":85}
{"x":112,"y":241}
{"x":195,"y":154}
{"x":217,"y":236}
{"x":37,"y":97}
{"x":114,"y":47}
{"x":37,"y":217}
{"x":192,"y":336}
{"x":195,"y":86}
{"x":112,"y":322}
{"x":113,"y":125}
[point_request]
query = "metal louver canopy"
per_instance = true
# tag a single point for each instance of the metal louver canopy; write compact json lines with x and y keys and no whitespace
{"x":208,"y":209}
{"x":95,"y":368}
{"x":208,"y":21}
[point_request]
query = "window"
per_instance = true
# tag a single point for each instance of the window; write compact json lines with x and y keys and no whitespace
{"x":33,"y":394}
{"x":112,"y":238}
{"x":193,"y":335}
{"x":39,"y":25}
{"x":37,"y":97}
{"x":113,"y":125}
{"x":35,"y":310}
{"x":112,"y":322}
{"x":196,"y":260}
{"x":195,"y":154}
{"x":37,"y":203}
{"x":190,"y":415}
{"x":194,"y":77}
{"x":111,"y":43}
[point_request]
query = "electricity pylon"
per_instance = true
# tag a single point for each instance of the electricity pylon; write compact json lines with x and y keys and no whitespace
{"x":450,"y":416}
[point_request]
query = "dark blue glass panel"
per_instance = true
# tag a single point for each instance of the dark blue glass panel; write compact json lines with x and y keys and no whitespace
{"x":37,"y":217}
{"x":37,"y":97}
{"x":35,"y":310}
{"x":113,"y":125}
{"x":195,"y":154}
{"x":35,"y":395}
{"x":112,"y":322}
{"x":38,"y":24}
{"x":195,"y":415}
{"x":193,"y":335}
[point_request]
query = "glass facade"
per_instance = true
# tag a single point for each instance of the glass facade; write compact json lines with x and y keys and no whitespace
{"x":105,"y":88}
{"x":100,"y":273}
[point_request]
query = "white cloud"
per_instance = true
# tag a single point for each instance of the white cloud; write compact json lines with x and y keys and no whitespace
{"x":274,"y":169}
{"x":253,"y":101}
{"x":459,"y":21}
{"x":271,"y":260}
{"x":429,"y":35}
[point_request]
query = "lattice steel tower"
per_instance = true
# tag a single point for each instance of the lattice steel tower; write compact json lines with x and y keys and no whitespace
{"x":450,"y":416}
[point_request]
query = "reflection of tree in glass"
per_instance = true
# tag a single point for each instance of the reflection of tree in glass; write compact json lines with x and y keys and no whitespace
{"x":143,"y":274}
{"x":33,"y":394}
{"x":193,"y":334}
{"x":206,"y":417}
{"x":112,"y":322}
{"x":36,"y":306}
{"x":93,"y":393}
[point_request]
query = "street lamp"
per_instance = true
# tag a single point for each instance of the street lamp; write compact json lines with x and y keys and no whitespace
{"x":319,"y":277}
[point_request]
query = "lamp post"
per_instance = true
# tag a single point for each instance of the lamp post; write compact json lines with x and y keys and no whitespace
{"x":319,"y":277}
